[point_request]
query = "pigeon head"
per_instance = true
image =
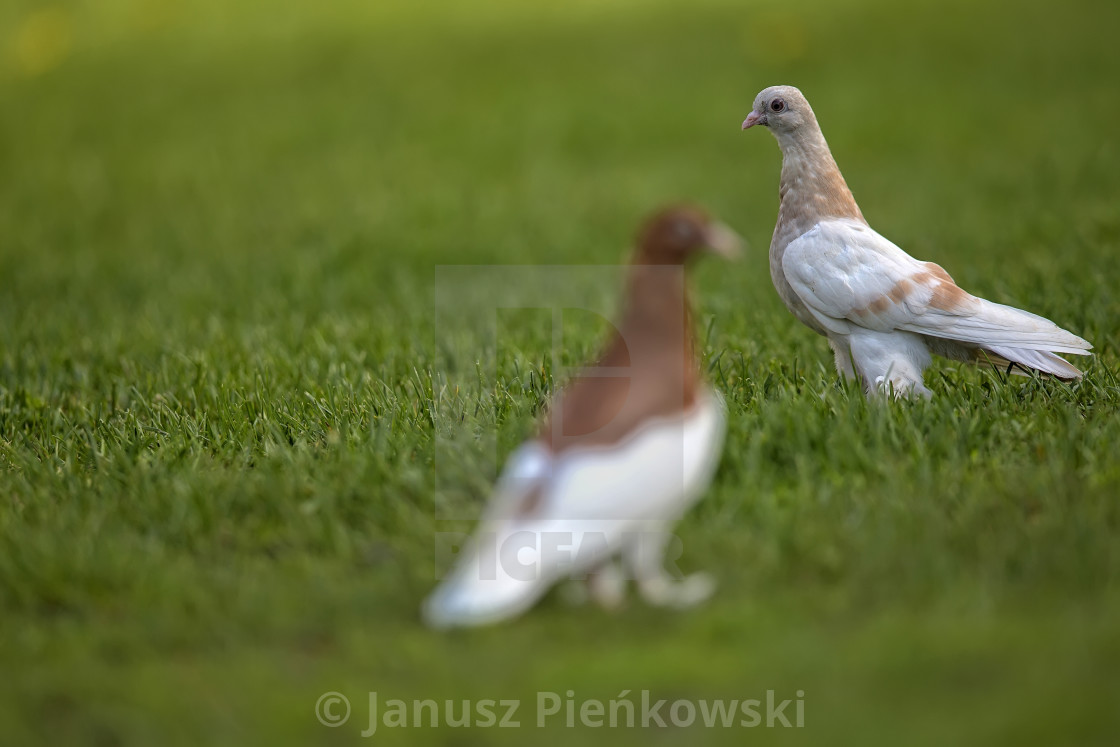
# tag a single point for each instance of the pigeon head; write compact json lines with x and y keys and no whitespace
{"x":781,"y":108}
{"x":673,"y":235}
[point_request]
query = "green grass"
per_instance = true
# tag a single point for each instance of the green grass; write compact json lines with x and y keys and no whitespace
{"x":221,"y":378}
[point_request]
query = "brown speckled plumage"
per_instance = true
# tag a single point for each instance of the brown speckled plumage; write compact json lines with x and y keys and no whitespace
{"x":883,"y":311}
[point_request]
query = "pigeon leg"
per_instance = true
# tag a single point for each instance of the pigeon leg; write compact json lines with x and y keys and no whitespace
{"x":900,"y":388}
{"x":891,"y":363}
{"x":843,"y":354}
{"x":645,"y":556}
{"x":606,"y":585}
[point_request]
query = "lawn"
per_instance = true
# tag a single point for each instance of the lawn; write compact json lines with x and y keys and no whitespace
{"x":224,"y":386}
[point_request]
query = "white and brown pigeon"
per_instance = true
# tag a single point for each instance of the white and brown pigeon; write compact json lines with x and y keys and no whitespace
{"x":882,"y":311}
{"x":627,"y":447}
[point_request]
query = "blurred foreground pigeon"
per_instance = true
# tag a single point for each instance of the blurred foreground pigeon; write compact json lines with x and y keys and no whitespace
{"x":882,"y":311}
{"x":627,"y":447}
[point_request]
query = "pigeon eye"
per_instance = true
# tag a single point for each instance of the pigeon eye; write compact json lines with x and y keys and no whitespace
{"x":777,"y":105}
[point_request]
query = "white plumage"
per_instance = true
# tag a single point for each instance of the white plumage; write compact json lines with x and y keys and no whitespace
{"x":594,"y":505}
{"x":866,"y":292}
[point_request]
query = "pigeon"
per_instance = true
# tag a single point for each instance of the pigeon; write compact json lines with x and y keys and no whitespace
{"x":883,"y":311}
{"x":625,"y":449}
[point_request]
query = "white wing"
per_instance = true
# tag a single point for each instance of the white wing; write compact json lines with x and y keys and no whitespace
{"x":848,"y":275}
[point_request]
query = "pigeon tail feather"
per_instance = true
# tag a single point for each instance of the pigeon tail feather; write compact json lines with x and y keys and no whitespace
{"x":990,"y":324}
{"x":1042,"y":361}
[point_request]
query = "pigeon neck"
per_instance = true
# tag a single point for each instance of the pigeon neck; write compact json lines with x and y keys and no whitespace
{"x":658,"y":317}
{"x":812,"y":188}
{"x":657,"y":300}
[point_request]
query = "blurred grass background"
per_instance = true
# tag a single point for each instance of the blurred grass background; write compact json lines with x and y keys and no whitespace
{"x":219,"y":224}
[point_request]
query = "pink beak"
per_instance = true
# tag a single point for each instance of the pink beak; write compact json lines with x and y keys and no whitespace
{"x":751,"y":120}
